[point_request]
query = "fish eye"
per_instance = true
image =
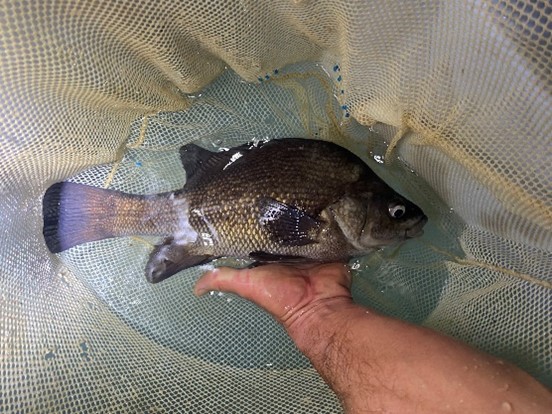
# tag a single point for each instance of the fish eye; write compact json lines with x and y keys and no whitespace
{"x":397,"y":210}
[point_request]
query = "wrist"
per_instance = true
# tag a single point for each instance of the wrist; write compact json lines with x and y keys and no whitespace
{"x":328,"y":336}
{"x":320,"y":328}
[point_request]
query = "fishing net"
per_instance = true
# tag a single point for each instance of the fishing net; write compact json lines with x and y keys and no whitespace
{"x":450,"y":102}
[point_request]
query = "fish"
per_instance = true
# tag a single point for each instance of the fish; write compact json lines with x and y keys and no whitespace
{"x":288,"y":200}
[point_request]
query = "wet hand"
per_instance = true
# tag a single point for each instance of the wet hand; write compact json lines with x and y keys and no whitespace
{"x":372,"y":362}
{"x":289,"y":293}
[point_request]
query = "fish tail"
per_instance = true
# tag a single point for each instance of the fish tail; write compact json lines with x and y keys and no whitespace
{"x":73,"y":214}
{"x":76,"y":213}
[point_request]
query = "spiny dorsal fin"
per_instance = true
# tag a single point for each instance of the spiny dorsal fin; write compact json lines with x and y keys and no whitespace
{"x":199,"y":163}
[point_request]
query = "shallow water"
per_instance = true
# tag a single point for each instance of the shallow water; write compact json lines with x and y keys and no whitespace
{"x":404,"y":281}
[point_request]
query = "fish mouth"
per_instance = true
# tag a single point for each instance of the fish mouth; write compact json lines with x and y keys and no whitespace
{"x":417,"y":228}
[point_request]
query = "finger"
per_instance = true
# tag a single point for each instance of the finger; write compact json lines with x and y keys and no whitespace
{"x":225,"y":279}
{"x":279,"y":289}
{"x":273,"y":287}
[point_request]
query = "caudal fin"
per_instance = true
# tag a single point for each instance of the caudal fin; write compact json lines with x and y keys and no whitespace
{"x":75,"y":214}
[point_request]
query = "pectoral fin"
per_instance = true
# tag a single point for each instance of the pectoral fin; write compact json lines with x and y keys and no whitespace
{"x":170,"y":258}
{"x":288,"y":225}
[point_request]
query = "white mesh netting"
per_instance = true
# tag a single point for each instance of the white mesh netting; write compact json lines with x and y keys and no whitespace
{"x":106,"y":92}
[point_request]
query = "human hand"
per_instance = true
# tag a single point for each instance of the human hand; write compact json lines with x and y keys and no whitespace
{"x":372,"y":362}
{"x":289,"y":293}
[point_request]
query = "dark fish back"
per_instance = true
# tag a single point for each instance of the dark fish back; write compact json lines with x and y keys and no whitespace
{"x":306,"y":174}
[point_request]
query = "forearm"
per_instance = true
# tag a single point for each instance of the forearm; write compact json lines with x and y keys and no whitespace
{"x":375,"y":363}
{"x":378,"y":364}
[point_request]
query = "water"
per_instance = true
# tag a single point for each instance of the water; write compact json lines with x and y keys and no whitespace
{"x":224,"y":328}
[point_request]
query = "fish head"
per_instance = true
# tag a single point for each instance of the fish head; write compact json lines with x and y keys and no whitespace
{"x":390,"y":218}
{"x":375,"y":219}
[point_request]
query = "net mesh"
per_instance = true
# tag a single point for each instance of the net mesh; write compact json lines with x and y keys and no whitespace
{"x":450,"y":102}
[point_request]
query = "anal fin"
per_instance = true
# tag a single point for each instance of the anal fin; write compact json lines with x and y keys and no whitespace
{"x":170,"y":258}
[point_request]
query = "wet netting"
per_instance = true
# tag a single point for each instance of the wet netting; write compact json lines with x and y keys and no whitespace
{"x":448,"y":101}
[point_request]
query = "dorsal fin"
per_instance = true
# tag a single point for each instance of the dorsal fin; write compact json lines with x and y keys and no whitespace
{"x":200,"y":163}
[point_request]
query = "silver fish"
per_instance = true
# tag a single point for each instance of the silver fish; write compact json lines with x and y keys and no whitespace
{"x":287,"y":200}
